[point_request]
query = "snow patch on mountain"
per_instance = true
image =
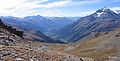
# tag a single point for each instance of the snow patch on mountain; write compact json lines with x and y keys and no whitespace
{"x":99,"y":13}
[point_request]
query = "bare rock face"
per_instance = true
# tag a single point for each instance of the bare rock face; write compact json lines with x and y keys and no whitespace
{"x":7,"y":38}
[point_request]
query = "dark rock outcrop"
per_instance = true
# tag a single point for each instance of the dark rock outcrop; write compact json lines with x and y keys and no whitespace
{"x":10,"y":29}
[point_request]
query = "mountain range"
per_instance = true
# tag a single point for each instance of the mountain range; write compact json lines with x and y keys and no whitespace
{"x":39,"y":23}
{"x":95,"y":37}
{"x":68,"y":29}
{"x":38,"y":27}
{"x":102,"y":21}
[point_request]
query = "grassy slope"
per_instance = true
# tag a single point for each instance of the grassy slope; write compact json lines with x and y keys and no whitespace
{"x":99,"y":48}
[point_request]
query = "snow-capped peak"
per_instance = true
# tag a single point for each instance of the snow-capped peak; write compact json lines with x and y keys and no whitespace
{"x":101,"y":11}
{"x":106,"y":13}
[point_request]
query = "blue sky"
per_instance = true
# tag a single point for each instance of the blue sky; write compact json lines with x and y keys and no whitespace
{"x":60,"y":8}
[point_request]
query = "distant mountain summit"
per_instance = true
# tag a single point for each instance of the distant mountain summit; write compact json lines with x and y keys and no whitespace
{"x":103,"y":20}
{"x":105,"y":13}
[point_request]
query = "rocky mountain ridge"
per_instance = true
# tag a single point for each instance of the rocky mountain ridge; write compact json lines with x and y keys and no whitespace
{"x":103,"y":20}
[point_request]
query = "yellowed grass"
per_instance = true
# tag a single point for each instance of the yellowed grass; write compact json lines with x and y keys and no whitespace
{"x":85,"y":48}
{"x":58,"y":47}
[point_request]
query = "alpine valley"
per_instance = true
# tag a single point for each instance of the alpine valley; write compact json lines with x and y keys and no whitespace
{"x":95,"y":37}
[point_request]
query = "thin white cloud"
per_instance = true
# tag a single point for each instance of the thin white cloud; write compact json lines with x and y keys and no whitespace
{"x":82,"y":14}
{"x":23,"y":8}
{"x":115,"y":9}
{"x":70,"y":3}
{"x":49,"y":5}
{"x":49,"y":12}
{"x":8,"y":7}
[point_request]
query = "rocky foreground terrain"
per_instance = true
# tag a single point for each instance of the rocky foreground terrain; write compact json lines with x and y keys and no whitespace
{"x":15,"y":48}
